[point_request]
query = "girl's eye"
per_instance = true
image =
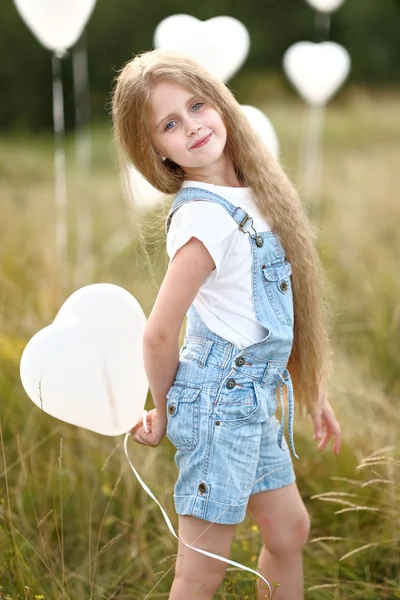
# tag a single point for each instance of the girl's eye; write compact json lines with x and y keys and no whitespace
{"x":169,"y":125}
{"x":197,"y":106}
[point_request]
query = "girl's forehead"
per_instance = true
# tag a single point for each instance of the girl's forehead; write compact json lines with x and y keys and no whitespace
{"x":168,"y":89}
{"x":168,"y":97}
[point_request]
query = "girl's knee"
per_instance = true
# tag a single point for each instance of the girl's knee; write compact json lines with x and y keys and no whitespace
{"x":301,"y":528}
{"x":291,"y":536}
{"x":282,"y":519}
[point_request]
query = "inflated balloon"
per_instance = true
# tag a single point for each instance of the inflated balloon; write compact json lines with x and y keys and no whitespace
{"x":325,"y":5}
{"x":144,"y":196}
{"x":262,"y":125}
{"x":220,"y":44}
{"x":316,"y":70}
{"x":57,"y":24}
{"x":86,"y":368}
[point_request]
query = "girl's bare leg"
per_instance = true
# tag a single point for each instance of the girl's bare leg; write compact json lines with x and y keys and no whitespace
{"x":197,"y":577}
{"x":284,"y":525}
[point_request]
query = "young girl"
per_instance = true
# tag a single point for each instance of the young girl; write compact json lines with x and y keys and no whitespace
{"x":244,"y":269}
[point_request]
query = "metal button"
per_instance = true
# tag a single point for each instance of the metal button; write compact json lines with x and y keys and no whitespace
{"x":239,"y":361}
{"x":230,"y":384}
{"x":283,"y":286}
{"x":171,"y":409}
{"x":259,"y":241}
{"x":202,"y":488}
{"x":218,"y":422}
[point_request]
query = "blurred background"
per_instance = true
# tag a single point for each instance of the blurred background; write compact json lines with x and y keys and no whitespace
{"x":74,"y":522}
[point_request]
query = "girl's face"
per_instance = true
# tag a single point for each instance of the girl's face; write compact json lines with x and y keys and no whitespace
{"x":185,"y":129}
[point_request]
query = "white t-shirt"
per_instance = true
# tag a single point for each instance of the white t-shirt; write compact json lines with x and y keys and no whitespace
{"x":225,"y":300}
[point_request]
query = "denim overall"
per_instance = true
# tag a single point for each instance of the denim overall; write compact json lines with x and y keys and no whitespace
{"x":221,"y":407}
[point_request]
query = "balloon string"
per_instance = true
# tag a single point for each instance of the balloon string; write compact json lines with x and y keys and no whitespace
{"x":322,"y":26}
{"x":60,"y":180}
{"x":83,"y":151}
{"x":172,"y":530}
{"x":313,"y":155}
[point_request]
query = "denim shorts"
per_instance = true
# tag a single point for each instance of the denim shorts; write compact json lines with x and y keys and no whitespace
{"x":221,"y":420}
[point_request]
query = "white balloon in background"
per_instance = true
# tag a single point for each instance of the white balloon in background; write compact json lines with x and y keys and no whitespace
{"x":220,"y":44}
{"x":86,"y":368}
{"x":316,"y":70}
{"x":262,"y":125}
{"x":57,"y":24}
{"x":144,"y":196}
{"x":325,"y":5}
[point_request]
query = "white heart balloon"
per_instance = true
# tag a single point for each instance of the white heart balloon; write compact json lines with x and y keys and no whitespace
{"x":220,"y":44}
{"x":316,"y":70}
{"x":325,"y":5}
{"x":144,"y":196}
{"x":263,"y":126}
{"x":86,"y":368}
{"x":57,"y":24}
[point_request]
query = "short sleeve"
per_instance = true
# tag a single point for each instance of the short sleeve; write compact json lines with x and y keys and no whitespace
{"x":208,"y":222}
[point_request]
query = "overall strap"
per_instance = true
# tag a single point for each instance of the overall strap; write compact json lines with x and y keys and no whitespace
{"x":193,"y":194}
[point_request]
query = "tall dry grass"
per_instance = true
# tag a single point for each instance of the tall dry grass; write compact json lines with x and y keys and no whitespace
{"x":74,"y":524}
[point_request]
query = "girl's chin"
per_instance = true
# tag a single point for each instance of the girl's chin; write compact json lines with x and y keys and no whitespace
{"x":201,"y":162}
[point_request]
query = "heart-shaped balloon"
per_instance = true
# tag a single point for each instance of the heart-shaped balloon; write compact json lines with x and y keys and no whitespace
{"x":325,"y":5}
{"x":86,"y":368}
{"x":220,"y":44}
{"x":316,"y":70}
{"x":262,"y":125}
{"x":56,"y":23}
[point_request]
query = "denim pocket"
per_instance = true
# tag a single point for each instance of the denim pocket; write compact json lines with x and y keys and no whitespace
{"x":183,"y":417}
{"x":266,"y":398}
{"x":233,"y":406}
{"x":278,"y":289}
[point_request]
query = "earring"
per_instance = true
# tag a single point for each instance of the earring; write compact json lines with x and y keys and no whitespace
{"x":163,"y":158}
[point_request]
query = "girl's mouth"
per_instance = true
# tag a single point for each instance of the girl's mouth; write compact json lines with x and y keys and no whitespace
{"x":201,"y":142}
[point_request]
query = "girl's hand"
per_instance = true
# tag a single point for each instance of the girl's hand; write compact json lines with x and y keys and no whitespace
{"x":326,"y":426}
{"x":156,"y":426}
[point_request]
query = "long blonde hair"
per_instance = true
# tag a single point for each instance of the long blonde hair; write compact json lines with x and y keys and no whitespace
{"x":272,"y":190}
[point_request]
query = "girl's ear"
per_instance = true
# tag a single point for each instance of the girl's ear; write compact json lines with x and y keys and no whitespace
{"x":157,"y":151}
{"x":160,"y":156}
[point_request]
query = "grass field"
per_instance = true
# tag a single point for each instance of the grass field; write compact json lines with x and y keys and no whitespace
{"x":74,"y":523}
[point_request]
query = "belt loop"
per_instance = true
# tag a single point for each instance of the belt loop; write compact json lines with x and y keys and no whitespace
{"x":206,"y":351}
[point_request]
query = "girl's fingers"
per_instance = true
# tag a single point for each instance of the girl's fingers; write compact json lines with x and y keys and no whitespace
{"x":332,"y":430}
{"x":136,"y":427}
{"x":337,"y":439}
{"x":317,"y":426}
{"x":144,"y":421}
{"x":335,"y":432}
{"x":148,"y":431}
{"x":143,"y":424}
{"x":325,"y":439}
{"x":141,"y":436}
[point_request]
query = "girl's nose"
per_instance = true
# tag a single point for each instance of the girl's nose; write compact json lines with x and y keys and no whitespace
{"x":193,"y":128}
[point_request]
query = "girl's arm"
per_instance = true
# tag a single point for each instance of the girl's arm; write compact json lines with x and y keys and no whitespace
{"x":186,"y":273}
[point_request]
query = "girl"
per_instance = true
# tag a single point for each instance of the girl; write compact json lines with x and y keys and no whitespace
{"x":244,"y":269}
